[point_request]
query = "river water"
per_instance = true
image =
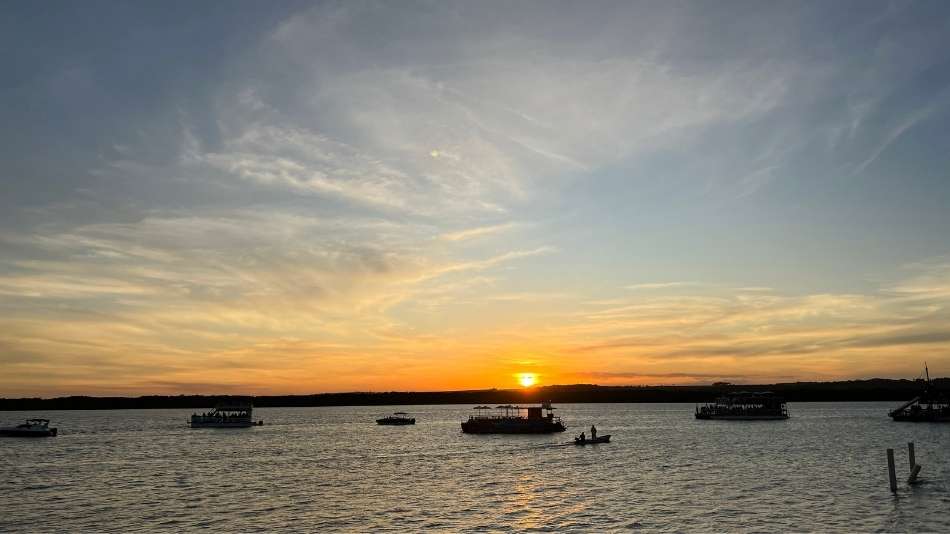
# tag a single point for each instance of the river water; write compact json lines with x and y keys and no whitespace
{"x":311,"y":469}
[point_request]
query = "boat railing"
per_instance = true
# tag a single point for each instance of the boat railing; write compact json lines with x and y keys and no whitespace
{"x":482,"y":417}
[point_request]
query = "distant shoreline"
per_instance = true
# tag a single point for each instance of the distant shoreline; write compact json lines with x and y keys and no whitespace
{"x":877,"y":389}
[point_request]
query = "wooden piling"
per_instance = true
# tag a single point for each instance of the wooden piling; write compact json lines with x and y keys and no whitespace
{"x":890,"y":470}
{"x":912,"y":479}
{"x":910,"y":455}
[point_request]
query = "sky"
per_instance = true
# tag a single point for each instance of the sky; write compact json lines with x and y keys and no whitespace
{"x":289,"y":197}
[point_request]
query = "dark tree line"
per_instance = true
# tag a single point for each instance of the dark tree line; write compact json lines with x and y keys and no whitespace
{"x":854,"y":390}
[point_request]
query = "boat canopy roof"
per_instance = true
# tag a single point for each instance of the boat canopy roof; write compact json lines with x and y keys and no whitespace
{"x":750,"y":397}
{"x":400,"y":413}
{"x":233,"y":407}
{"x":509,"y":407}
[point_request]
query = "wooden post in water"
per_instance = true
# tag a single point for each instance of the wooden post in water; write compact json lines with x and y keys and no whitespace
{"x":912,"y":479}
{"x":890,"y":470}
{"x":914,"y":467}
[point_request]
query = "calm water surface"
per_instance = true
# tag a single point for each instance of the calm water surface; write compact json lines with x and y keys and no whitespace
{"x":335,"y":469}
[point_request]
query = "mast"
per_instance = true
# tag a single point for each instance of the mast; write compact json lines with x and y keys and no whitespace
{"x":930,"y":399}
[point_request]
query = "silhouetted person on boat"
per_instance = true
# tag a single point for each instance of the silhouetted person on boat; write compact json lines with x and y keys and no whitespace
{"x":582,"y":437}
{"x":593,"y":432}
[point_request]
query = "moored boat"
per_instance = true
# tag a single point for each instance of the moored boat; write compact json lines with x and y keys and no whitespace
{"x":931,"y":406}
{"x":397,"y":419}
{"x":226,"y":415}
{"x":32,"y":428}
{"x":514,"y":420}
{"x":745,"y":406}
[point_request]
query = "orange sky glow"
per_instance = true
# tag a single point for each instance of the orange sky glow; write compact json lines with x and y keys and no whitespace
{"x":344,"y":196}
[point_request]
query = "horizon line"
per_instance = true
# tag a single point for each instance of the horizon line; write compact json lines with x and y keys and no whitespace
{"x":450,"y":391}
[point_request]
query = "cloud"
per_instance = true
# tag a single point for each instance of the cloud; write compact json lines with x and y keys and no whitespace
{"x":930,"y":281}
{"x":697,"y":377}
{"x":481,"y":231}
{"x":528,"y":297}
{"x":188,"y":292}
{"x":480,"y":265}
{"x":338,"y":194}
{"x":793,"y":329}
{"x":659,"y":285}
{"x":893,"y":135}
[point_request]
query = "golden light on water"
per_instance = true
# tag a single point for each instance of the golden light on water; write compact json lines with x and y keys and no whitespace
{"x":527,"y":379}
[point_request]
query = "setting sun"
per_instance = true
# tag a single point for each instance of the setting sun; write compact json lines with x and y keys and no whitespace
{"x":527,"y":379}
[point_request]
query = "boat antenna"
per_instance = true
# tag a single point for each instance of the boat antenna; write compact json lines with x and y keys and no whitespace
{"x":927,"y":372}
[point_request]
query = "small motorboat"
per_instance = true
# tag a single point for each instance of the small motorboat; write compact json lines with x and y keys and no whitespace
{"x":398,"y":418}
{"x":592,"y":441}
{"x":32,"y":428}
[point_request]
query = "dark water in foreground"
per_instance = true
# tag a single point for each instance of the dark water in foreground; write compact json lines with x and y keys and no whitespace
{"x":333,"y":468}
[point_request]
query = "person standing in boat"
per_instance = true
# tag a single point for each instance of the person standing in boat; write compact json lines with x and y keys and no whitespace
{"x":593,"y":432}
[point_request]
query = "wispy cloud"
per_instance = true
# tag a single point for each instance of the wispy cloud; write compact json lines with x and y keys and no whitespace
{"x":479,"y":265}
{"x":893,"y":135}
{"x":640,"y":377}
{"x":659,"y":285}
{"x":481,"y":231}
{"x":528,"y":297}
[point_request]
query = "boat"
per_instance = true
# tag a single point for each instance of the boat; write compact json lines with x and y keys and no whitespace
{"x":745,"y":406}
{"x":32,"y":428}
{"x":226,"y":415}
{"x":931,"y":406}
{"x":398,"y":418}
{"x":510,"y":419}
{"x":592,"y":441}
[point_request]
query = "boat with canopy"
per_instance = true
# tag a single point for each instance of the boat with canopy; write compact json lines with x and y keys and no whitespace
{"x":397,"y":419}
{"x":32,"y":428}
{"x":745,"y":406}
{"x":226,"y":415}
{"x":510,"y":419}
